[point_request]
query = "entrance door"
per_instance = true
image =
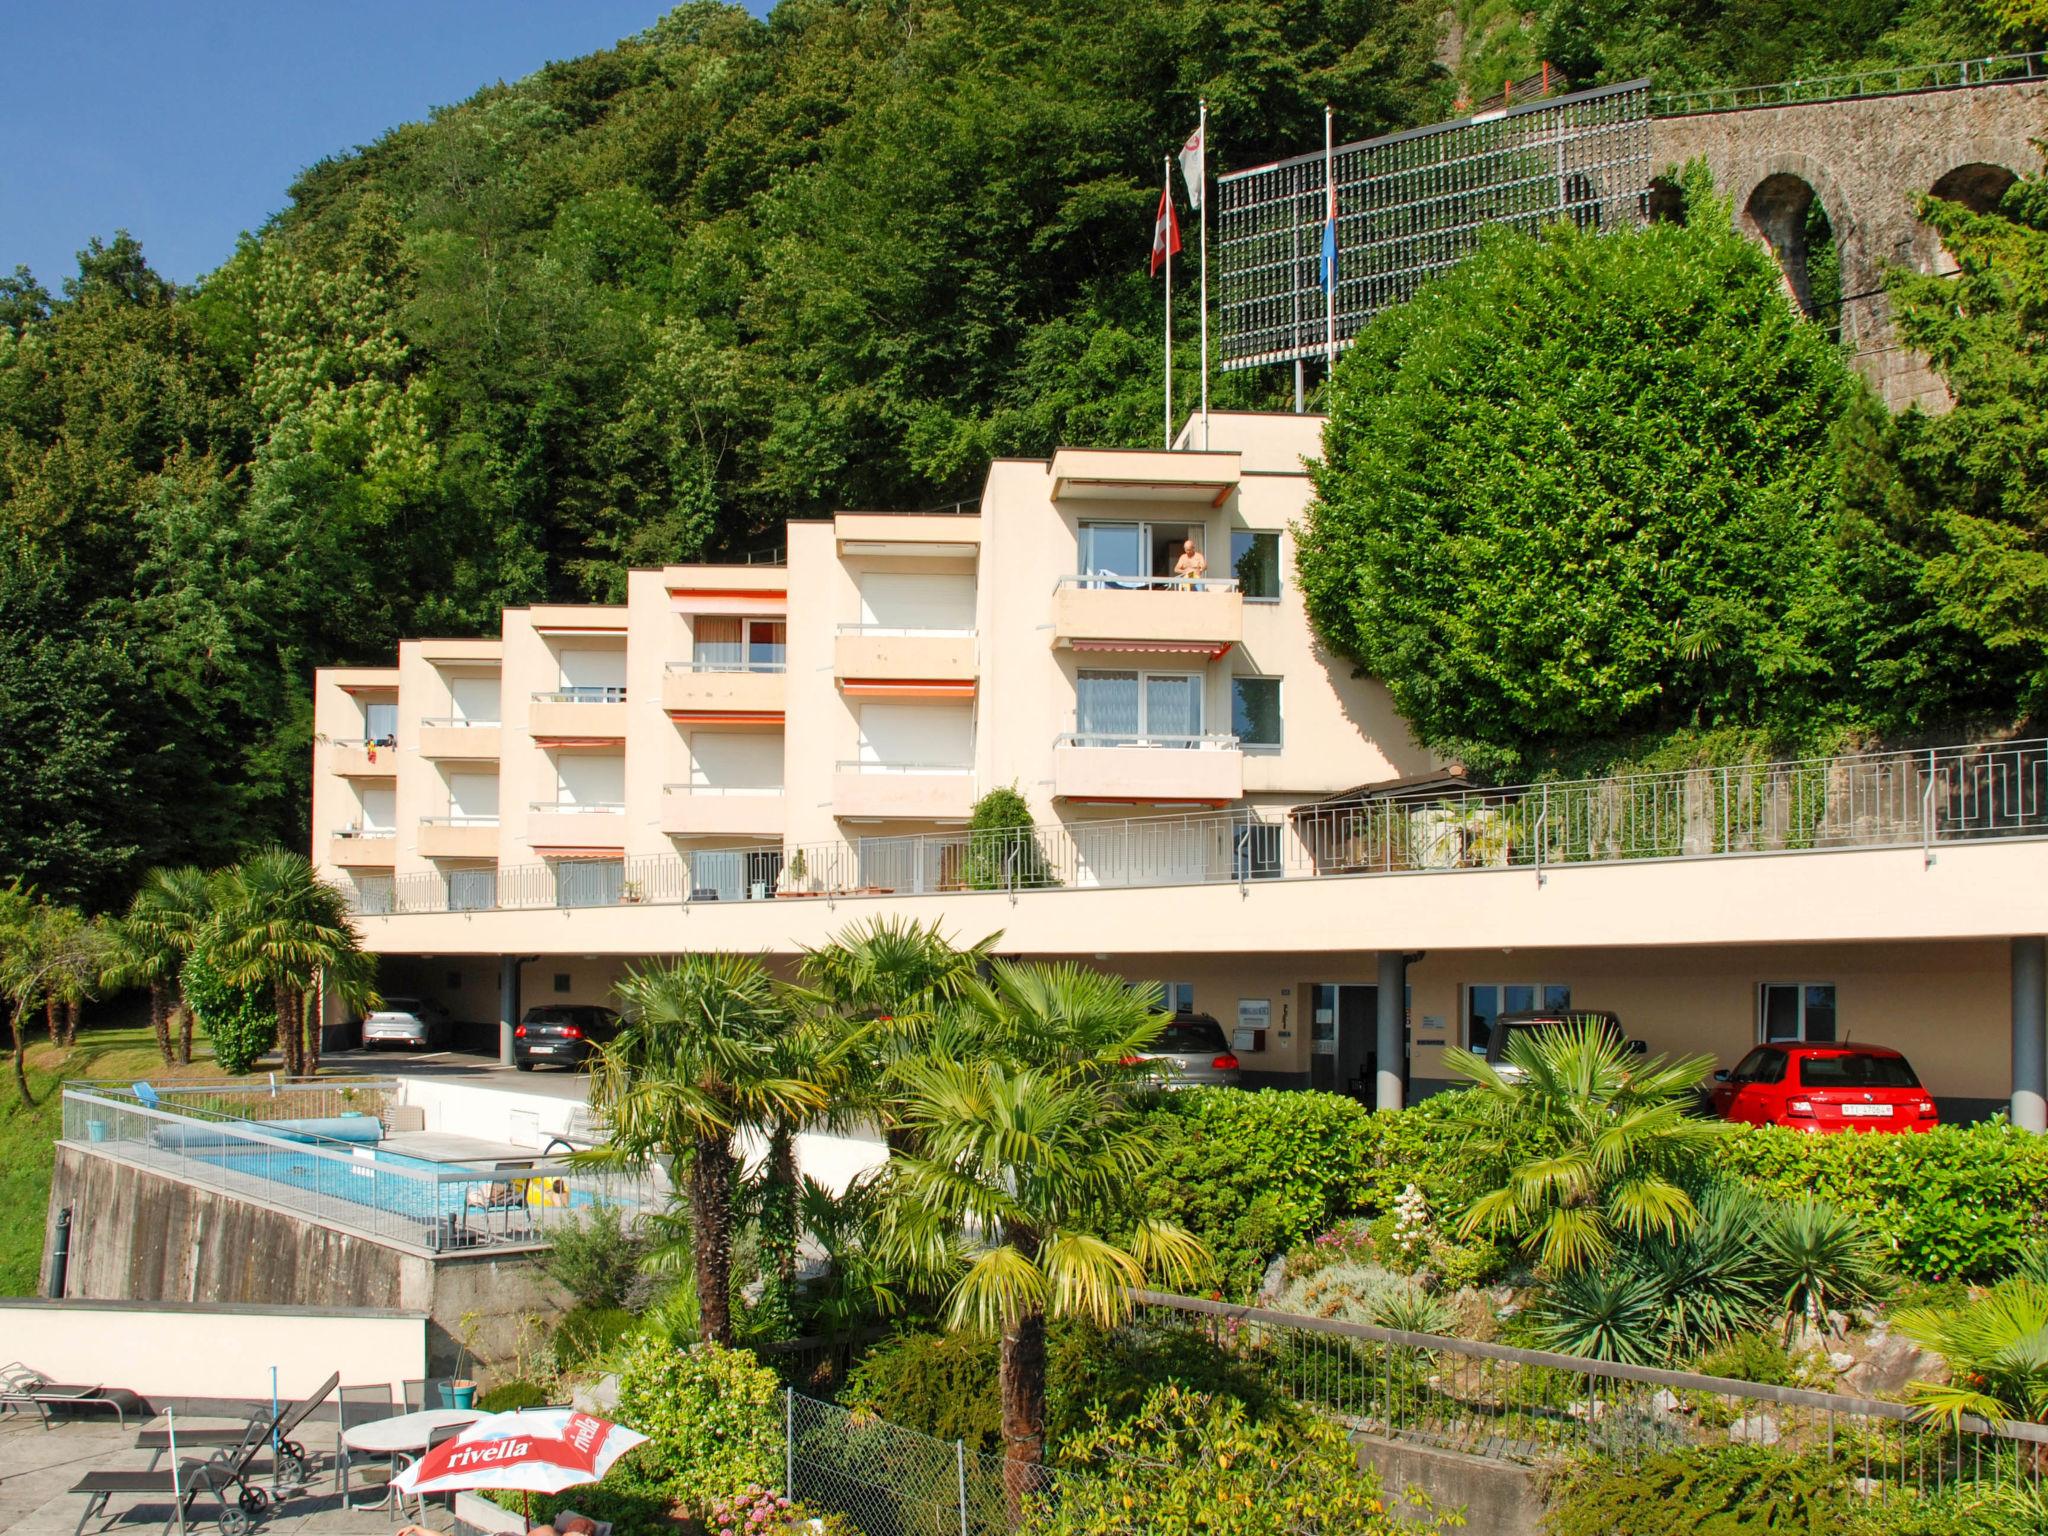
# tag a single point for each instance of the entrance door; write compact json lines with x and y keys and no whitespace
{"x":1342,"y":1025}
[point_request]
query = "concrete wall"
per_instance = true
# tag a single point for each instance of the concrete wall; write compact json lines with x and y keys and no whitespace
{"x":182,"y":1350}
{"x":1497,"y":1499}
{"x":140,"y":1236}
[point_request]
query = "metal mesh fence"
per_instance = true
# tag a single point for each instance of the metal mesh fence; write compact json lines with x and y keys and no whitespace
{"x":892,"y":1481}
{"x":1538,"y":1409}
{"x":1410,"y":205}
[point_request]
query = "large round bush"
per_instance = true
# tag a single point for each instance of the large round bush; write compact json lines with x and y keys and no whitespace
{"x":1584,"y":486}
{"x":712,"y":1417}
{"x":239,"y":1021}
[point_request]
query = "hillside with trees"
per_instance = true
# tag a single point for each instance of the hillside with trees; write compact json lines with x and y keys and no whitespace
{"x":642,"y":306}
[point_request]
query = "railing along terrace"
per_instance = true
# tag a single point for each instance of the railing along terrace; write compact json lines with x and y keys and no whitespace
{"x":727,"y":664}
{"x":458,"y":722}
{"x":292,"y":1144}
{"x":1214,"y":741}
{"x":1897,"y":80}
{"x":1535,"y":1408}
{"x":595,"y":693}
{"x":1909,"y":799}
{"x":1113,"y":581}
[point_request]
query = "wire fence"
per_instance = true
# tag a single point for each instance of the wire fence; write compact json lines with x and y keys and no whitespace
{"x":1534,"y":1408}
{"x":1921,"y":799}
{"x":893,"y":1481}
{"x":1897,"y":80}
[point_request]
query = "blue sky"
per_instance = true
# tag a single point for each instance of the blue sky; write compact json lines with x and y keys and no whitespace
{"x":184,"y":121}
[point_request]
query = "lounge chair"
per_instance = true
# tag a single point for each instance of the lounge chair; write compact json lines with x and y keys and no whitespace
{"x":290,"y":1467}
{"x":22,"y":1388}
{"x":223,"y":1476}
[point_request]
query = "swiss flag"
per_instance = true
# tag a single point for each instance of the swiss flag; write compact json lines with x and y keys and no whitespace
{"x":1165,"y":231}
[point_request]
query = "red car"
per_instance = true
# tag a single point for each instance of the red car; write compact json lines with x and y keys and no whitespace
{"x":1824,"y":1088}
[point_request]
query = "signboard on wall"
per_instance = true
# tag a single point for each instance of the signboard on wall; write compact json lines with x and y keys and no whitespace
{"x":1254,"y":1017}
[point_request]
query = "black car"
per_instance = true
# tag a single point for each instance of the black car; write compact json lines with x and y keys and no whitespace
{"x":562,"y":1034}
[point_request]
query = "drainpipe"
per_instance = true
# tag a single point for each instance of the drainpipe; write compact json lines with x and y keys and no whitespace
{"x":60,"y":1256}
{"x":508,"y":1002}
{"x":2030,"y":1033}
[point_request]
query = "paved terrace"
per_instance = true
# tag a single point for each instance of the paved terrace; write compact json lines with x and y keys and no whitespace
{"x":38,"y":1467}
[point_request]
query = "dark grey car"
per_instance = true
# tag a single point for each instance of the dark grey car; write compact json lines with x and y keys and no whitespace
{"x":561,"y":1034}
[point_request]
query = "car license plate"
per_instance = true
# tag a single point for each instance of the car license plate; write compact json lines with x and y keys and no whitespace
{"x":537,"y":1049}
{"x":1867,"y":1111}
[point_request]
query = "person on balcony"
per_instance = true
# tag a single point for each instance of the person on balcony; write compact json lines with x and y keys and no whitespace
{"x":1192,"y":565}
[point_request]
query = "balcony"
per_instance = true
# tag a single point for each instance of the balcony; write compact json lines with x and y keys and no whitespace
{"x":576,"y":715}
{"x":363,"y":848}
{"x":363,"y":759}
{"x":557,"y":826}
{"x":459,"y":837}
{"x":1148,"y":770}
{"x":878,"y":660}
{"x":867,"y":791}
{"x":702,"y":810}
{"x":447,"y":739}
{"x":725,"y":693}
{"x":1148,"y":614}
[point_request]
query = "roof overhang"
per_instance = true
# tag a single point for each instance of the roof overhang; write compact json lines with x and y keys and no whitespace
{"x":578,"y":743}
{"x":715,"y":602}
{"x":1144,"y":475}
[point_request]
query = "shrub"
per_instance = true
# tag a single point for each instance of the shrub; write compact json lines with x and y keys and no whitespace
{"x":509,"y":1396}
{"x":1187,"y":1463}
{"x":712,"y":1417}
{"x":595,"y":1258}
{"x":1729,"y":1492}
{"x":940,"y":1384}
{"x":1749,"y":1357}
{"x":1002,"y":848}
{"x":586,"y":1332}
{"x":241,"y":1022}
{"x":1960,"y":1202}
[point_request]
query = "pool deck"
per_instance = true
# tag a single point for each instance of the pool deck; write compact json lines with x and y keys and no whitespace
{"x":38,"y":1467}
{"x":441,"y":1147}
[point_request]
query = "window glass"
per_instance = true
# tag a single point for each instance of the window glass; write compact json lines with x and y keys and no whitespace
{"x":1855,"y":1070}
{"x":1781,"y":1013}
{"x":1106,"y":704}
{"x":1772,"y":1068}
{"x":1169,"y":542}
{"x":380,"y":722}
{"x":1255,"y":851}
{"x":1557,"y":997}
{"x":1482,"y":1007}
{"x":767,"y":645}
{"x":1746,"y":1070}
{"x":1112,"y":549}
{"x":1192,"y":1036}
{"x":1517,"y":999}
{"x":1820,"y":1013}
{"x":1255,"y":562}
{"x":715,"y":643}
{"x":1174,"y":996}
{"x":1173,"y":708}
{"x":1255,"y":710}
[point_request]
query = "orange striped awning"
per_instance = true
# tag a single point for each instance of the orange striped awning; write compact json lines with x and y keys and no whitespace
{"x":1212,"y":649}
{"x":576,"y":743}
{"x":723,"y":601}
{"x":907,"y":687}
{"x":614,"y":855}
{"x":731,"y":719}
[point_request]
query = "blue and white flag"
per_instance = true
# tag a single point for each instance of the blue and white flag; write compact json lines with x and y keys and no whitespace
{"x":1330,"y":245}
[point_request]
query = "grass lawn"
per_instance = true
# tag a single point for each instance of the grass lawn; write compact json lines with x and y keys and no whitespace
{"x":28,"y":1136}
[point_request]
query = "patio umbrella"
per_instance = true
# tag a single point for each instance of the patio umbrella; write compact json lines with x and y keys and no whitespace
{"x":536,"y":1450}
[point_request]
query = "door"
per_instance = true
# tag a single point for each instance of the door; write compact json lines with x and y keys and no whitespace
{"x":1112,"y":549}
{"x":1342,"y":1023}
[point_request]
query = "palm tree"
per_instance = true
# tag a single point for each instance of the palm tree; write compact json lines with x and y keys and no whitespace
{"x":1065,"y":1016}
{"x":158,"y":932}
{"x":697,"y":1061}
{"x":1018,"y":1203}
{"x":810,"y":1049}
{"x":276,"y":923}
{"x":1997,"y":1353}
{"x":1579,"y":1141}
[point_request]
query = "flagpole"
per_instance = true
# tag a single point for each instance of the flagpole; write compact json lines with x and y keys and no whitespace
{"x":1203,"y":209}
{"x":1330,"y":212}
{"x":1169,"y":310}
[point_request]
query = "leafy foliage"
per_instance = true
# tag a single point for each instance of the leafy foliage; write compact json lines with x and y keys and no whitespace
{"x":1996,"y":1348}
{"x":595,"y":1258}
{"x":1188,"y":1463}
{"x":1002,"y":850}
{"x":511,"y":1396}
{"x":712,"y":1420}
{"x":1581,"y":487}
{"x":1726,"y":1492}
{"x":239,"y":1021}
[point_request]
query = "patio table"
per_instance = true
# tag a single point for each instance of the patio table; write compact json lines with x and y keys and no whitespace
{"x":403,"y":1438}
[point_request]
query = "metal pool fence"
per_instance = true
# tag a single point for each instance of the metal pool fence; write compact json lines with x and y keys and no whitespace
{"x":1539,"y":1409}
{"x":273,"y":1150}
{"x":1924,"y":799}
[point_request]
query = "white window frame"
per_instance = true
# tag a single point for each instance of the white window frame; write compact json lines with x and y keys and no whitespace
{"x":1145,"y":527}
{"x":1280,"y":688}
{"x":1465,"y":989}
{"x":1142,"y":737}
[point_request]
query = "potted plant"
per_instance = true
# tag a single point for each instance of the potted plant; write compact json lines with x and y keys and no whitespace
{"x":633,"y":891}
{"x":794,"y":874}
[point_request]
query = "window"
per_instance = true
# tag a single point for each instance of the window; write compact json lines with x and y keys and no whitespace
{"x":1255,"y":562}
{"x":1255,"y":712}
{"x":893,"y":602}
{"x":380,"y":723}
{"x":594,"y":676}
{"x":474,"y":700}
{"x":1796,"y":1010}
{"x":1487,"y":1001}
{"x":1191,"y":1037}
{"x":1137,"y":550}
{"x":473,"y":799}
{"x":1759,"y":1066}
{"x":1174,"y":996}
{"x":561,"y":981}
{"x":725,"y":644}
{"x":1854,"y":1069}
{"x":380,"y":808}
{"x":1128,"y":709}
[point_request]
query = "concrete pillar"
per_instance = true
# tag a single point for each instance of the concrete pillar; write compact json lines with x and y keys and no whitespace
{"x":2030,"y":1034}
{"x":508,"y":1005}
{"x":1392,"y":1048}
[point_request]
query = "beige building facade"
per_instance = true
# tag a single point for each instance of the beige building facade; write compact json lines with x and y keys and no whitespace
{"x":754,"y":756}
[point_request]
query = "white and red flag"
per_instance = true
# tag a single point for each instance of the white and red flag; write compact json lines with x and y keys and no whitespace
{"x":1165,"y":231}
{"x":1192,"y":155}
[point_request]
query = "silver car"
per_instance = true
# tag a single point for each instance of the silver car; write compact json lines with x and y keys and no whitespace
{"x":1193,"y":1052}
{"x":414,"y":1021}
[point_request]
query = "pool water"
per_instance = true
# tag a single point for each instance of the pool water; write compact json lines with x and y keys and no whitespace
{"x":383,"y":1181}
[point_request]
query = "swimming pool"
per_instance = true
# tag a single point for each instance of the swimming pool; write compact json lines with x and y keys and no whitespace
{"x":370,"y":1176}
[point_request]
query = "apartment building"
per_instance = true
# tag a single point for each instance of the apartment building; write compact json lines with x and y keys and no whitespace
{"x":753,"y":756}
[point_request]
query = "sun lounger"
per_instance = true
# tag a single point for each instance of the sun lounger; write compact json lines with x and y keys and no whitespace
{"x":291,"y":1466}
{"x":22,"y":1388}
{"x":221,"y":1478}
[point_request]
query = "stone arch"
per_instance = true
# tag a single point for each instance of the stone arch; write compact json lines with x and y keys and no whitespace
{"x":1978,"y":185}
{"x":1791,"y":215}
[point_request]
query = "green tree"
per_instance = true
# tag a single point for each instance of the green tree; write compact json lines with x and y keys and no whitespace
{"x":1582,"y":486}
{"x":697,"y":1062}
{"x":1002,"y":844}
{"x":1578,"y":1143}
{"x":163,"y":922}
{"x":277,"y":924}
{"x":1018,"y":1205}
{"x":17,"y":918}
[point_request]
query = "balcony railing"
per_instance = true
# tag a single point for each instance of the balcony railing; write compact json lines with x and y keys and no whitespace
{"x":862,"y":765}
{"x":455,"y":820}
{"x":604,"y":694}
{"x":582,"y":808}
{"x":728,"y":664}
{"x":452,"y":722}
{"x":1213,"y":742}
{"x":1886,"y":800}
{"x":934,"y":631}
{"x":722,"y":789}
{"x":358,"y":831}
{"x":1107,"y":581}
